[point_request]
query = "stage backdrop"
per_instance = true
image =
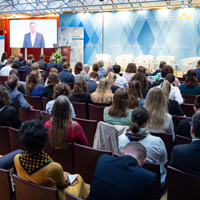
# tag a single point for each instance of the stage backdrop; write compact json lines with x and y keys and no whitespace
{"x":74,"y":37}
{"x":152,"y":32}
{"x":92,"y":23}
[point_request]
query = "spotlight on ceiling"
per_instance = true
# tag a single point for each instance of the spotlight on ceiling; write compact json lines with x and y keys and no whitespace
{"x":182,"y":5}
{"x":113,"y":9}
{"x":55,"y":12}
{"x":100,"y":10}
{"x":169,"y":6}
{"x":84,"y":11}
{"x":37,"y":14}
{"x":1,"y":16}
{"x":74,"y":11}
{"x":190,"y":4}
{"x":61,"y":11}
{"x":131,"y":8}
{"x":32,"y":14}
{"x":43,"y":13}
{"x":140,"y":7}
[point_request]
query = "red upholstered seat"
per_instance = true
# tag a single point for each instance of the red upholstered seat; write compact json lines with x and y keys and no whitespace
{"x":29,"y":114}
{"x":34,"y":101}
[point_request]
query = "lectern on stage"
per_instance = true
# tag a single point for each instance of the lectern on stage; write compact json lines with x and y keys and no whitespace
{"x":65,"y":51}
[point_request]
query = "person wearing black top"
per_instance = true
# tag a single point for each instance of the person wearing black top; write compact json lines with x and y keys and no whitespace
{"x":53,"y":80}
{"x":91,"y":83}
{"x":164,"y":72}
{"x":41,"y":62}
{"x":184,"y":126}
{"x":8,"y":114}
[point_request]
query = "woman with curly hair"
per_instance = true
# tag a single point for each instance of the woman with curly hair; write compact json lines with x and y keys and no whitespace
{"x":80,"y":92}
{"x":190,"y":85}
{"x":42,"y":170}
{"x":103,"y":95}
{"x":118,"y":113}
{"x":130,"y":71}
{"x":60,"y":89}
{"x":53,"y":80}
{"x":8,"y":114}
{"x":33,"y":87}
{"x":135,"y":94}
{"x":143,"y":81}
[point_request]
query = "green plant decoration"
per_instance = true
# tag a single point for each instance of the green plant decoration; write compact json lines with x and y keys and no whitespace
{"x":57,"y":55}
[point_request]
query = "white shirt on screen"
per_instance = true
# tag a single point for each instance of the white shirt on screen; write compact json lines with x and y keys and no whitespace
{"x":33,"y":39}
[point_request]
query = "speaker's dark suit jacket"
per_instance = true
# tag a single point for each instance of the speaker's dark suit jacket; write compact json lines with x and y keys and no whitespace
{"x":186,"y":157}
{"x":122,"y":178}
{"x":39,"y":41}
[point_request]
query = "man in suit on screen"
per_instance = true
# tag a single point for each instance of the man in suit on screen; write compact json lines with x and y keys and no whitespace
{"x":33,"y":39}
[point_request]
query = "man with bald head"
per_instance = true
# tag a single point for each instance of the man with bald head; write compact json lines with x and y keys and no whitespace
{"x":52,"y":64}
{"x":84,"y":74}
{"x":16,"y":62}
{"x":123,"y":177}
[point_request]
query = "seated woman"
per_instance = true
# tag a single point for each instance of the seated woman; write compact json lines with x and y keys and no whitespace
{"x":52,"y":70}
{"x":112,"y":78}
{"x":33,"y":87}
{"x":130,"y":71}
{"x":4,"y":58}
{"x":77,"y":68}
{"x":135,"y":94}
{"x":173,"y":106}
{"x":103,"y":95}
{"x":190,"y":85}
{"x":118,"y":113}
{"x":95,"y":68}
{"x":61,"y":127}
{"x":171,"y":70}
{"x":160,"y":121}
{"x":53,"y":80}
{"x":80,"y":92}
{"x":42,"y":170}
{"x":60,"y":89}
{"x":8,"y":114}
{"x":156,"y":150}
{"x":141,"y":77}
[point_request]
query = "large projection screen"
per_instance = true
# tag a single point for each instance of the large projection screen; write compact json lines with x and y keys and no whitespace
{"x":36,"y":33}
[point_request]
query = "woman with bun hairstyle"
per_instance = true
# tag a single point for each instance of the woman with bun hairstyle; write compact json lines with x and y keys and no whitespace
{"x":190,"y":85}
{"x":173,"y":106}
{"x":156,"y":150}
{"x":184,"y":126}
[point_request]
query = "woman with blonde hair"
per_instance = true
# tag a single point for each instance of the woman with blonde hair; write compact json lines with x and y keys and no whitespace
{"x":103,"y":95}
{"x":160,"y":121}
{"x":61,"y":127}
{"x":135,"y":94}
{"x":173,"y":106}
{"x":33,"y":87}
{"x":112,"y":78}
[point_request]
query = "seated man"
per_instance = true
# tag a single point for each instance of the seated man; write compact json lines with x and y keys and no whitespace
{"x":65,"y":76}
{"x":197,"y":70}
{"x":6,"y":70}
{"x":186,"y":157}
{"x":25,"y":69}
{"x":91,"y":83}
{"x":17,"y":98}
{"x":164,"y":72}
{"x":16,"y":62}
{"x":123,"y":177}
{"x":84,"y":74}
{"x":41,"y":62}
{"x":60,"y":65}
{"x":101,"y":69}
{"x":161,"y":65}
{"x":52,"y":64}
{"x":120,"y":81}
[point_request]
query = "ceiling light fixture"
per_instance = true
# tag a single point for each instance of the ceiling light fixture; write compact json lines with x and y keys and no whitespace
{"x":169,"y":6}
{"x":101,"y":10}
{"x":32,"y":14}
{"x":113,"y":9}
{"x":37,"y":14}
{"x":43,"y":13}
{"x":131,"y":8}
{"x":84,"y":11}
{"x":74,"y":11}
{"x":55,"y":12}
{"x":61,"y":11}
{"x":182,"y":5}
{"x":140,"y":7}
{"x":190,"y":4}
{"x":1,"y":16}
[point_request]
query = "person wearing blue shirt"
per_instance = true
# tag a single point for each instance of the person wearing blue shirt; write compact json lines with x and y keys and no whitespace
{"x":60,"y":65}
{"x":33,"y":87}
{"x":52,"y":64}
{"x":60,"y":89}
{"x":65,"y":76}
{"x":162,"y":64}
{"x":17,"y":98}
{"x":101,"y":69}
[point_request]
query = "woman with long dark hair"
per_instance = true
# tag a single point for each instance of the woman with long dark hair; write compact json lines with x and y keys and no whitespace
{"x":4,"y":58}
{"x":190,"y":85}
{"x":61,"y":127}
